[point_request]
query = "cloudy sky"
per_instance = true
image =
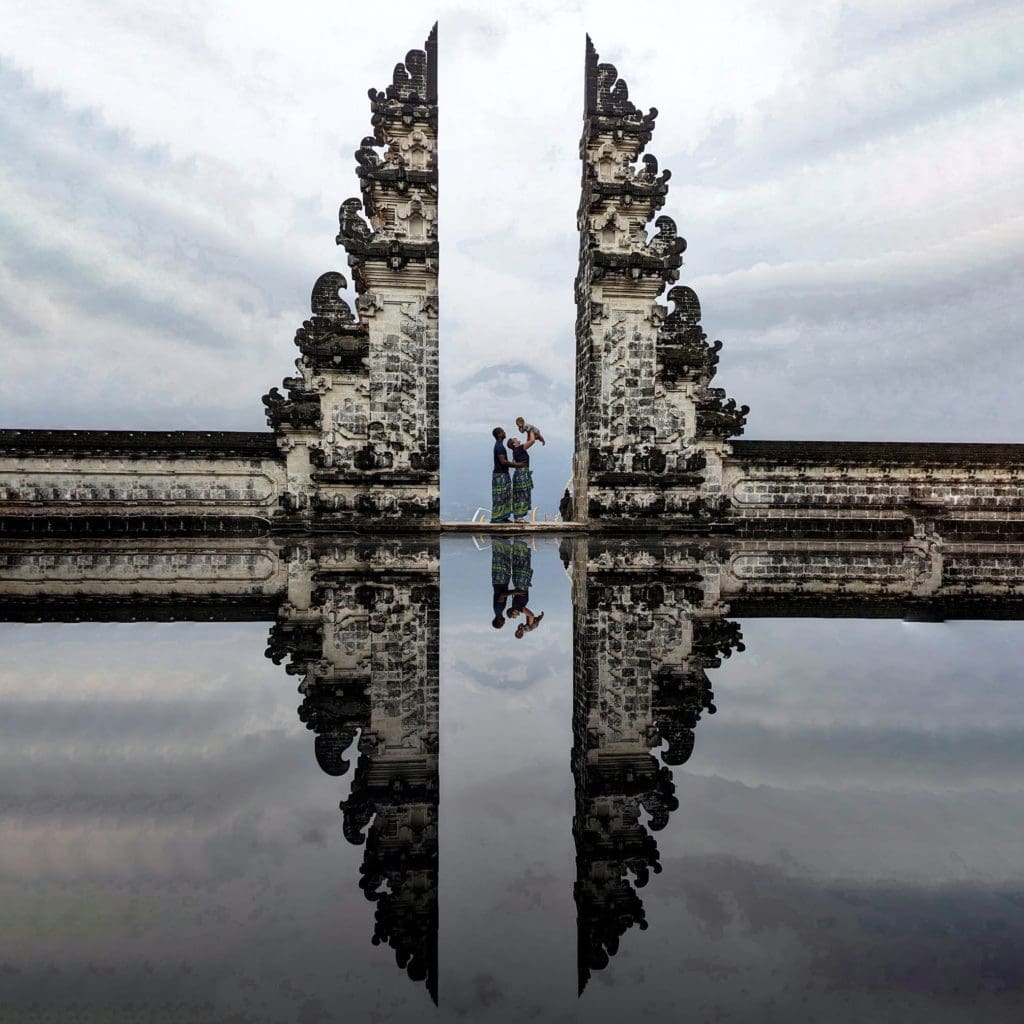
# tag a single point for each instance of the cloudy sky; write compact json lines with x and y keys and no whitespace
{"x":849,"y":177}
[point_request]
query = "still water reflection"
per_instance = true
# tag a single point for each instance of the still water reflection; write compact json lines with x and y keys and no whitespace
{"x":522,"y":794}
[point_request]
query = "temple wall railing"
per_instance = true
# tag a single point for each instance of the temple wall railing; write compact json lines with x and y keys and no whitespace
{"x":117,"y":481}
{"x":850,"y":489}
{"x":255,"y":578}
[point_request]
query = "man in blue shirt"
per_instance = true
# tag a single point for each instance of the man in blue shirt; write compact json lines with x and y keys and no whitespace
{"x":501,"y":482}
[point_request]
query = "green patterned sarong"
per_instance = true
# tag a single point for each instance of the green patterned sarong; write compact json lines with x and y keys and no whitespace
{"x":522,"y":565}
{"x":501,"y":562}
{"x":522,"y":492}
{"x":501,"y":497}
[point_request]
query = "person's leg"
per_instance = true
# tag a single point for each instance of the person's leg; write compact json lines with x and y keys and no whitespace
{"x":522,"y":565}
{"x":501,"y":498}
{"x":501,"y":562}
{"x":520,"y":494}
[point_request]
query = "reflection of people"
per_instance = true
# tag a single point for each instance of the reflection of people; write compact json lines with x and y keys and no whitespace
{"x":501,"y":571}
{"x":501,"y":485}
{"x":522,"y":578}
{"x":522,"y":479}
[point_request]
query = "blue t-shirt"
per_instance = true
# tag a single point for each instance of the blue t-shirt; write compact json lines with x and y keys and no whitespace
{"x":519,"y":455}
{"x":499,"y":450}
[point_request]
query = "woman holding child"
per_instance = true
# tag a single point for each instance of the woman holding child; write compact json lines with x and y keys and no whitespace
{"x":522,"y":479}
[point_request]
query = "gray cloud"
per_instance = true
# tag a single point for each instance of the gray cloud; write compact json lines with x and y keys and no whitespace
{"x":843,"y":756}
{"x":889,"y":87}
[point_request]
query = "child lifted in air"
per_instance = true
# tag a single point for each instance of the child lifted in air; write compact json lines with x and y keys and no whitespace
{"x":528,"y":429}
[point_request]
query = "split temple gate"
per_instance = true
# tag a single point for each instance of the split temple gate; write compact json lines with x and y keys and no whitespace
{"x":354,"y":443}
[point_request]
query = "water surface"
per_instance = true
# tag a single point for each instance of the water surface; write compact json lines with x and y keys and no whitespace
{"x":838,"y":838}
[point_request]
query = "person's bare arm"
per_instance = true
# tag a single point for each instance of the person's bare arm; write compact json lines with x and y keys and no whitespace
{"x":532,"y":441}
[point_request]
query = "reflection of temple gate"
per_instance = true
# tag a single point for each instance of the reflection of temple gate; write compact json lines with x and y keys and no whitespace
{"x":642,"y":643}
{"x":356,"y":619}
{"x":360,"y":627}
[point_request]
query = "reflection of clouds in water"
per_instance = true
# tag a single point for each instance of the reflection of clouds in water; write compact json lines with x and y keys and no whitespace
{"x":876,"y":673}
{"x":876,"y":703}
{"x":862,"y":834}
{"x":846,"y":839}
{"x":199,"y":868}
{"x":134,"y":745}
{"x":483,"y":661}
{"x":876,"y":757}
{"x":923,"y":951}
{"x":123,"y":661}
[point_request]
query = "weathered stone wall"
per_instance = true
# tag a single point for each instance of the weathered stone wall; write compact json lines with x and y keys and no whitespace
{"x":241,"y":577}
{"x":250,"y":577}
{"x":218,"y":481}
{"x":958,"y":576}
{"x":128,"y":575}
{"x":924,"y":573}
{"x":842,"y":488}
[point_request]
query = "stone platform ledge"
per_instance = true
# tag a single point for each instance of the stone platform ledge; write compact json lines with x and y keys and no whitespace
{"x":455,"y":526}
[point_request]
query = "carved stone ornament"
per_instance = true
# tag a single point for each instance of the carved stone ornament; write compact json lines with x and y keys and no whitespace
{"x":412,"y":95}
{"x":683,"y":349}
{"x":301,"y":409}
{"x":720,"y":417}
{"x":332,"y":338}
{"x":608,"y":106}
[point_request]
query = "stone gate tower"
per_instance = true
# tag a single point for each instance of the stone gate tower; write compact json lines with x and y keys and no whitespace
{"x":651,"y":432}
{"x":359,"y":425}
